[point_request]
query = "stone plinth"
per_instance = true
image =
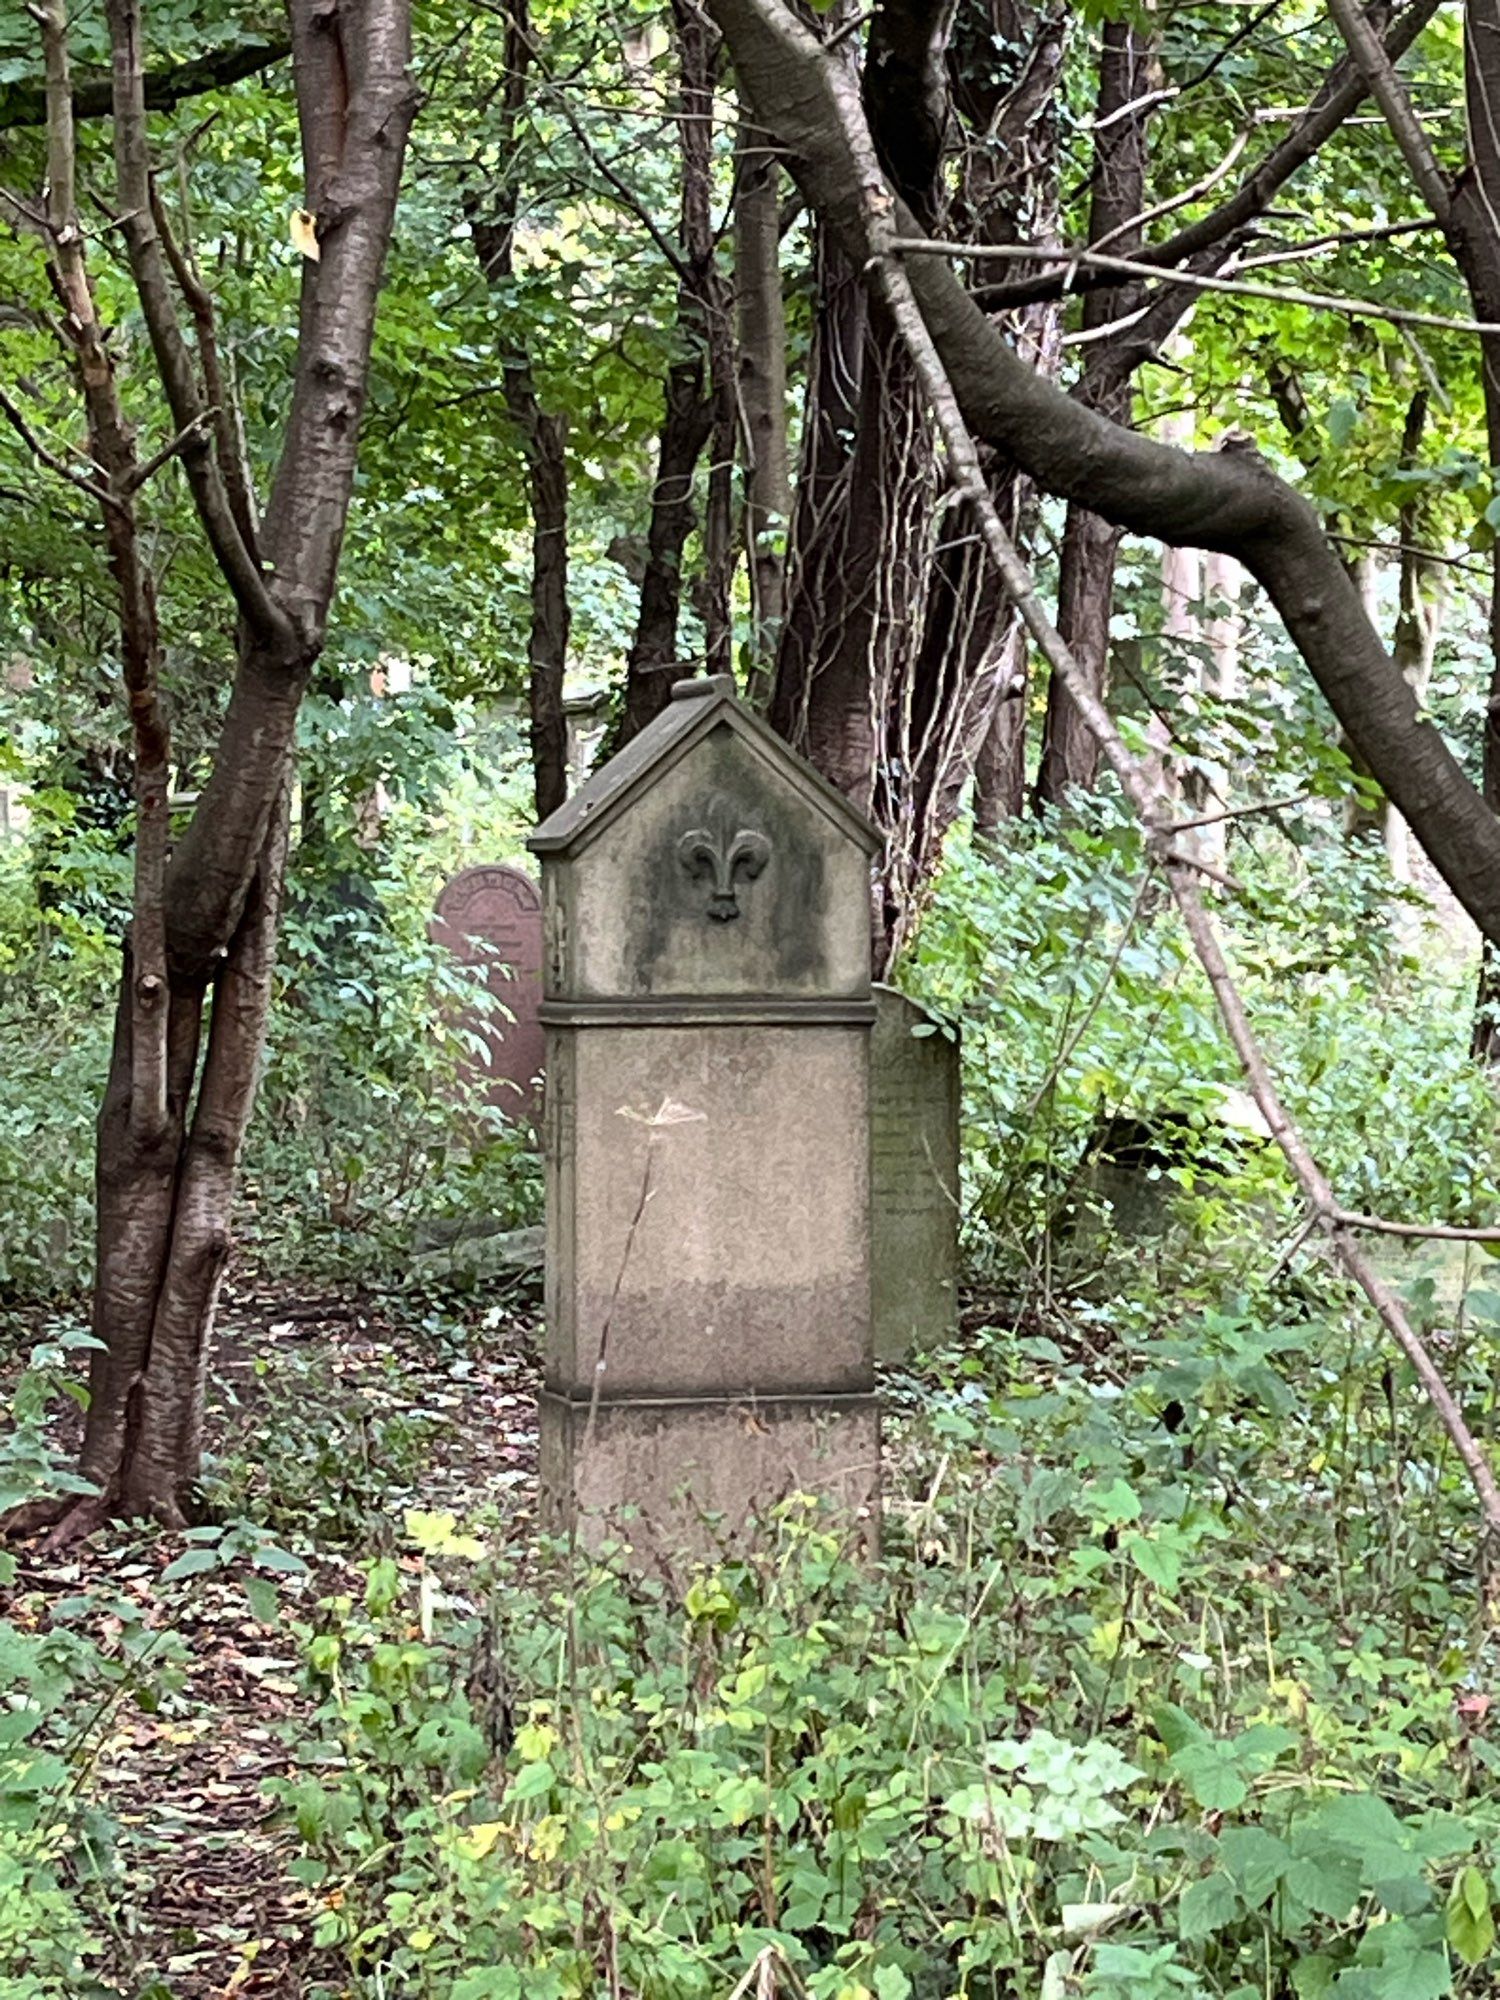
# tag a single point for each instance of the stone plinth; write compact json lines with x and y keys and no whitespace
{"x":694,"y":1471}
{"x":708,"y":1011}
{"x":914,"y":1170}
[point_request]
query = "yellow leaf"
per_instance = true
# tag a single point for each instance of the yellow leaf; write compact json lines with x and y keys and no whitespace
{"x":535,"y":1740}
{"x":475,"y":1842}
{"x":305,"y":234}
{"x":437,"y":1535}
{"x":421,"y":1940}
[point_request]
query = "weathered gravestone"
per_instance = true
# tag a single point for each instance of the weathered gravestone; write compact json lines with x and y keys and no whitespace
{"x":914,"y":1189}
{"x":708,"y":1013}
{"x":492,"y":916}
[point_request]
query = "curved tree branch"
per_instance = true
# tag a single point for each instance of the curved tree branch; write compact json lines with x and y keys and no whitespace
{"x":26,"y":103}
{"x":1228,"y":500}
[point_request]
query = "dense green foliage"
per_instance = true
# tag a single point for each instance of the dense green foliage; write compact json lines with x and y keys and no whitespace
{"x":1174,"y":1677}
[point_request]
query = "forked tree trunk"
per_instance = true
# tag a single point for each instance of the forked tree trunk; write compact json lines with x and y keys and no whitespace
{"x":197,"y":968}
{"x":165,"y":1209}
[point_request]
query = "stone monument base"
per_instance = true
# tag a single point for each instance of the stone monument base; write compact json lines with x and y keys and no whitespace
{"x":676,"y":1462}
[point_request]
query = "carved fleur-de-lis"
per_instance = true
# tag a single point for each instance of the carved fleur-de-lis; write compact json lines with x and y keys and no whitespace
{"x":723,"y":857}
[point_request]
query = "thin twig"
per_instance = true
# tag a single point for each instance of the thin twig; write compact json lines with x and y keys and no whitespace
{"x":1237,"y":812}
{"x":1445,"y":1232}
{"x":50,"y":459}
{"x":1336,"y":239}
{"x":158,"y":459}
{"x":1379,"y":73}
{"x":1065,"y":262}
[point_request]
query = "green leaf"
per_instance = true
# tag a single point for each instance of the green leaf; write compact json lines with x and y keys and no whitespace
{"x":1157,"y":1561}
{"x":1256,"y":1859}
{"x":891,"y":1983}
{"x":1343,"y":421}
{"x":1470,"y":1920}
{"x":1206,"y":1906}
{"x":190,"y":1563}
{"x":532,"y":1780}
{"x":269,"y":1556}
{"x":264,"y":1603}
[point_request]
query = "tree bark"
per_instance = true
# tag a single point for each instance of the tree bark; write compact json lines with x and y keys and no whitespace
{"x":543,"y":441}
{"x":1474,"y":238}
{"x":1000,"y":765}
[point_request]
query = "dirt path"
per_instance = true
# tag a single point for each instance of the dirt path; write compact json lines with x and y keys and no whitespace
{"x":330,"y":1415}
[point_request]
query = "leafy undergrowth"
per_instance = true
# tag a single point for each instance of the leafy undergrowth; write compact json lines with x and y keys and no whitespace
{"x":155,"y":1687}
{"x":1174,"y":1679}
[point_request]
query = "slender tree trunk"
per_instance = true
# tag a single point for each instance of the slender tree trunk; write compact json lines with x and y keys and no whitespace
{"x":1086,"y":581}
{"x":543,"y":440}
{"x":761,"y":315}
{"x":699,"y":407}
{"x":1474,"y":238}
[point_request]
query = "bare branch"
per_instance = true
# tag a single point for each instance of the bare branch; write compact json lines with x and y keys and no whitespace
{"x":227,"y":431}
{"x":50,"y":459}
{"x":138,"y":477}
{"x":264,"y":616}
{"x":1342,"y":92}
{"x":1379,"y":73}
{"x":24,"y":104}
{"x":1069,"y":260}
{"x":112,"y":444}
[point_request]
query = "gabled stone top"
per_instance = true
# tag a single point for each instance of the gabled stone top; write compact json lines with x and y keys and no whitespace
{"x":697,"y":706}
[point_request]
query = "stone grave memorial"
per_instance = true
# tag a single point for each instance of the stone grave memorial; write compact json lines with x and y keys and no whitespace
{"x":914,"y":1186}
{"x":492,"y":916}
{"x":708,"y":1012}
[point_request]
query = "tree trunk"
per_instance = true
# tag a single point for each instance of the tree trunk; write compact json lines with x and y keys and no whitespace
{"x":1086,"y":580}
{"x":761,"y":316}
{"x":699,"y":406}
{"x":544,"y":442}
{"x":1474,"y":238}
{"x":1000,"y":766}
{"x":204,"y":927}
{"x":165,"y":1221}
{"x":1230,"y":501}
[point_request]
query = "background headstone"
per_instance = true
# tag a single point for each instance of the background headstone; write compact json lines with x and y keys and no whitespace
{"x":914,"y":1184}
{"x":492,"y":916}
{"x":585,"y":718}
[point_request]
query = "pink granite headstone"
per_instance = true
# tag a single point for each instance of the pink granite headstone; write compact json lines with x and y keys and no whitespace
{"x":492,"y":916}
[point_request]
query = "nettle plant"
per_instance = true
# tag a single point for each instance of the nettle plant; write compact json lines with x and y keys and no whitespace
{"x":855,"y":1783}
